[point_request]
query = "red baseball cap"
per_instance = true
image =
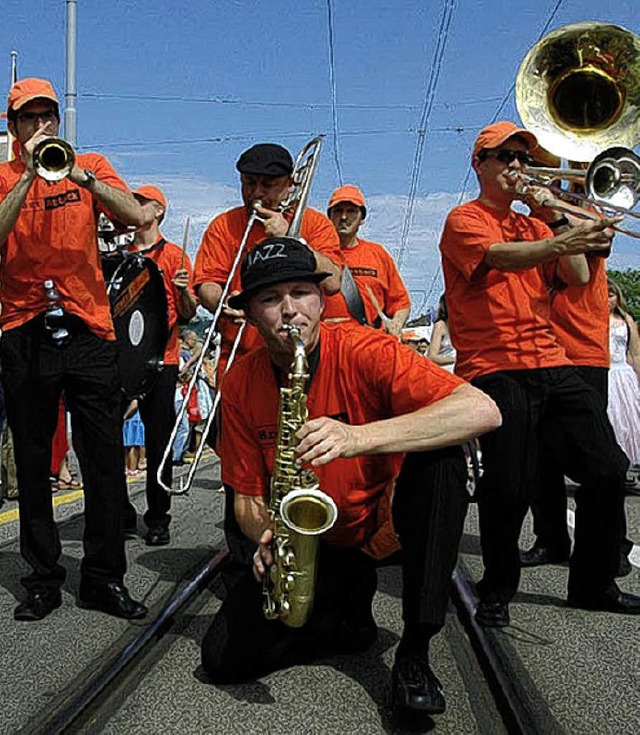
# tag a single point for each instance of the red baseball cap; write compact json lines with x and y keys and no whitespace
{"x":152,"y":193}
{"x":25,"y":90}
{"x":495,"y":134}
{"x":348,"y":193}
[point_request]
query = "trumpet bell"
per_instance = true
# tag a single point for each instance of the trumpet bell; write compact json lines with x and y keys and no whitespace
{"x":53,"y":159}
{"x":578,"y":90}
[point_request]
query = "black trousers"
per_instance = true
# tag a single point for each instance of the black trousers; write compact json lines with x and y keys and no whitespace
{"x":555,"y":403}
{"x":157,"y":411}
{"x":429,"y":507}
{"x":34,"y":374}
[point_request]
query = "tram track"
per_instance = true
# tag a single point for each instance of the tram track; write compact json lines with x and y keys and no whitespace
{"x":87,"y":706}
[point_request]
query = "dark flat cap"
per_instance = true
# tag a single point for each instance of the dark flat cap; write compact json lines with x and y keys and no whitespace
{"x":267,"y":159}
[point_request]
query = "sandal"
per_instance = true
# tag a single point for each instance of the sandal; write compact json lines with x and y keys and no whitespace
{"x":55,"y":483}
{"x":71,"y":484}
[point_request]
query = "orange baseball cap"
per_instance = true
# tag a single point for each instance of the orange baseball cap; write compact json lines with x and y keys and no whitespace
{"x":151,"y":192}
{"x":495,"y":134}
{"x":348,"y":193}
{"x":25,"y":90}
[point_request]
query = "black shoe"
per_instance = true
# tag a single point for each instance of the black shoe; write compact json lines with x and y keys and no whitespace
{"x":414,"y":686}
{"x":539,"y":555}
{"x":39,"y":603}
{"x":112,"y":598}
{"x":613,"y":600}
{"x":158,"y":537}
{"x":492,"y":614}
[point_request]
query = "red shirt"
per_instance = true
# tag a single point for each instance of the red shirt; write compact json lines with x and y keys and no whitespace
{"x":168,"y":258}
{"x":580,"y":317}
{"x":498,"y":320}
{"x":373,"y":268}
{"x":363,"y":375}
{"x":55,"y":236}
{"x":219,"y":247}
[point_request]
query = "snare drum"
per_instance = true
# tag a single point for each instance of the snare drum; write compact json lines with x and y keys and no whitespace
{"x":136,"y":292}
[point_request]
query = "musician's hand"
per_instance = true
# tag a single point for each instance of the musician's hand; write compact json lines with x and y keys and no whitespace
{"x":181,"y":279}
{"x":44,"y":131}
{"x":236,"y":315}
{"x":393,"y":328}
{"x":274,"y":223}
{"x":323,"y":439}
{"x":263,"y":557}
{"x":539,"y":200}
{"x":588,"y":235}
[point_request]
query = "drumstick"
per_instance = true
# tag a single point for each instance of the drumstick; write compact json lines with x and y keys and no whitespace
{"x":376,"y":305}
{"x":185,"y":241}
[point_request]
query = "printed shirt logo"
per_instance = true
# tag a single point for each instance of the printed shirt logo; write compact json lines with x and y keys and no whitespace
{"x":60,"y":200}
{"x":364,"y":272}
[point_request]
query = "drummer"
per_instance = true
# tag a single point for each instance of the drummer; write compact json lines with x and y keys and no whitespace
{"x":157,"y":405}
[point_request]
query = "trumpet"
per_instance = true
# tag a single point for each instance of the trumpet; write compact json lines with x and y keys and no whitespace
{"x":53,"y":159}
{"x":303,"y":171}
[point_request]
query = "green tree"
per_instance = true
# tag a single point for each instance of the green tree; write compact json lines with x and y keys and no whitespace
{"x":629,"y":282}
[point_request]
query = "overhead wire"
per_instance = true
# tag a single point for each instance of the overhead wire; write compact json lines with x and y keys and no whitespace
{"x":434,"y":76}
{"x":334,"y":93}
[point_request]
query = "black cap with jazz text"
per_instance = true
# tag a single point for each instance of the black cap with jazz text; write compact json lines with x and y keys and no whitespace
{"x":276,"y":260}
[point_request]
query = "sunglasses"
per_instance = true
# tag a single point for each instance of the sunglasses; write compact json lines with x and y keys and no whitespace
{"x":31,"y":117}
{"x":506,"y":155}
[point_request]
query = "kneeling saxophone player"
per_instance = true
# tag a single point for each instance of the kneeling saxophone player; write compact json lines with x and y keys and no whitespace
{"x":380,"y":417}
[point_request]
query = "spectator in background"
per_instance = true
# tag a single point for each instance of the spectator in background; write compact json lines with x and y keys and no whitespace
{"x":624,"y":376}
{"x":441,"y":351}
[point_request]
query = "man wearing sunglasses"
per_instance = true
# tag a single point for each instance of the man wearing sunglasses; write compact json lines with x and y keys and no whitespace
{"x":57,"y":335}
{"x":495,"y":262}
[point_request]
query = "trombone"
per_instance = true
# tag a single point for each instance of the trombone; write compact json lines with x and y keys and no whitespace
{"x":611,"y":183}
{"x":303,"y":171}
{"x":578,"y":91}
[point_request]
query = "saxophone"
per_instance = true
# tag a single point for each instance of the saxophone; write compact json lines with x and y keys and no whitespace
{"x":298,"y":510}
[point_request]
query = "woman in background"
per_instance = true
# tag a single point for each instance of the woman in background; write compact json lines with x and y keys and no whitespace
{"x":624,"y":377}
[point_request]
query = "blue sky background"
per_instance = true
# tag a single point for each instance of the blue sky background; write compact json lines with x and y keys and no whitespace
{"x":173,"y":92}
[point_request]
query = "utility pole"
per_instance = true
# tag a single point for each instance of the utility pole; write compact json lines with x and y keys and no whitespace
{"x":71,"y":94}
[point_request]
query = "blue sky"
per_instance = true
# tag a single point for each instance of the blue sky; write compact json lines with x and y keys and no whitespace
{"x":173,"y":92}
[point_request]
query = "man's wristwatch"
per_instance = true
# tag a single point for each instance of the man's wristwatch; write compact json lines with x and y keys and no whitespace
{"x":91,"y":177}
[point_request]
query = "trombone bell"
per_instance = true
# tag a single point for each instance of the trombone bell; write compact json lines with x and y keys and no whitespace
{"x":53,"y":159}
{"x":578,"y":90}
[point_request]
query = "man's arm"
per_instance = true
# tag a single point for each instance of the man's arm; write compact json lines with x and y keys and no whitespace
{"x":588,"y":236}
{"x":397,"y":322}
{"x":121,"y":204}
{"x":462,"y":415}
{"x":210,"y":295}
{"x":11,"y":205}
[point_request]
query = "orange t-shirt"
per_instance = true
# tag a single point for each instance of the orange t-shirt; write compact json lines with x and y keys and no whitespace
{"x":580,"y":317}
{"x":371,"y":266}
{"x":55,"y":237}
{"x":219,"y":247}
{"x":499,"y":320}
{"x":363,"y":375}
{"x":168,"y":258}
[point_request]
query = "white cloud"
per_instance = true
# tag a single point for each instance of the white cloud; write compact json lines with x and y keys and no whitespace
{"x":202,"y":200}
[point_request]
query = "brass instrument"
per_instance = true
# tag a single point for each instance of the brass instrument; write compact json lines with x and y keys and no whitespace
{"x":303,"y":171}
{"x":298,"y":509}
{"x":578,"y":92}
{"x":53,"y":159}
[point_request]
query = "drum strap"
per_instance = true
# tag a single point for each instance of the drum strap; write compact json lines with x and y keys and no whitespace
{"x":352,"y":296}
{"x":156,"y":246}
